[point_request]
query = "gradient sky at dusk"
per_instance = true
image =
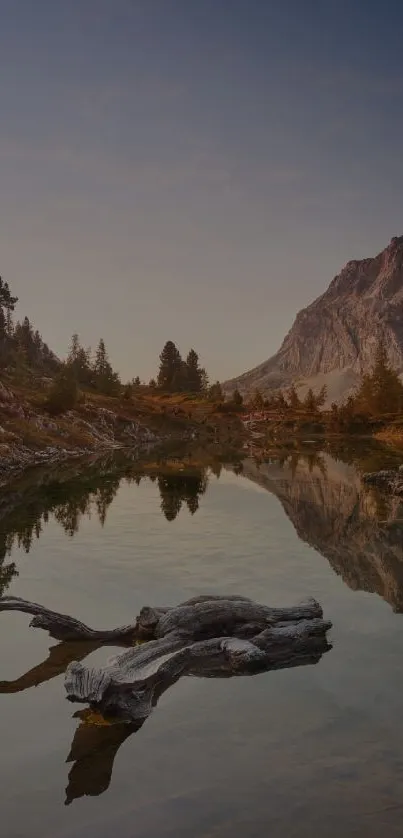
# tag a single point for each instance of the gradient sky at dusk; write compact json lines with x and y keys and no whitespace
{"x":194,"y":170}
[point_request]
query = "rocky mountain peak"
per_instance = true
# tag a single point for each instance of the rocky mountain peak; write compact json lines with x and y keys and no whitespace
{"x":333,"y":340}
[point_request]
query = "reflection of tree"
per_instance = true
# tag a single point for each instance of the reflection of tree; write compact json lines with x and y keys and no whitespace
{"x":311,"y":458}
{"x":81,"y":495}
{"x":7,"y":574}
{"x":176,"y":489}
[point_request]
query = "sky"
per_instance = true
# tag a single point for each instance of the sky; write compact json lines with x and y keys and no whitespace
{"x":193,"y":170}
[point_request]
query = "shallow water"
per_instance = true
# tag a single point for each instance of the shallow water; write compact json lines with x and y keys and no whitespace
{"x":289,"y":753}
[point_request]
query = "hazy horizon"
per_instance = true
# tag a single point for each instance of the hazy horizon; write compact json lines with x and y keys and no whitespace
{"x":193,"y":170}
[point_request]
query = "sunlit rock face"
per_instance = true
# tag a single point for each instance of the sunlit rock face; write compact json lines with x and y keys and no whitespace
{"x":333,"y":340}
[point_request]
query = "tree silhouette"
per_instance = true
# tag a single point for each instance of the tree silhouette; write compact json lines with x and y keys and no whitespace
{"x":105,"y":379}
{"x":170,"y":374}
{"x":293,"y":398}
{"x":193,"y":373}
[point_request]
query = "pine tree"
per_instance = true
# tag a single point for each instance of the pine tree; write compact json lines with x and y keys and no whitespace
{"x":74,"y":349}
{"x":321,"y":397}
{"x":105,"y":379}
{"x":170,"y":371}
{"x":257,"y":402}
{"x":204,"y":381}
{"x":193,"y":373}
{"x":237,"y":398}
{"x":9,"y":324}
{"x":310,"y":401}
{"x":293,"y":398}
{"x":7,"y":302}
{"x":334,"y":414}
{"x":7,"y":305}
{"x":280,"y":402}
{"x":215,"y":392}
{"x":381,"y":392}
{"x":78,"y":360}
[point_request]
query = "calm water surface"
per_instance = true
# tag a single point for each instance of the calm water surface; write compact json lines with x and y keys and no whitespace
{"x":312,"y":750}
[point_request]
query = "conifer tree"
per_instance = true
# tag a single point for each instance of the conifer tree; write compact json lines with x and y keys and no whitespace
{"x":321,"y":397}
{"x":105,"y":379}
{"x":193,"y":373}
{"x":310,"y":402}
{"x":293,"y":398}
{"x":170,"y":371}
{"x":7,"y":302}
{"x":215,"y":392}
{"x":79,"y":360}
{"x":380,"y":392}
{"x":257,"y":402}
{"x":204,"y":381}
{"x":280,"y":402}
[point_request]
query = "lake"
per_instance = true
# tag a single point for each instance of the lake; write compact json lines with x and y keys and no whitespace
{"x":315,"y":749}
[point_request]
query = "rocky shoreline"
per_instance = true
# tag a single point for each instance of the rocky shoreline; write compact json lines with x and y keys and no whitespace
{"x":29,"y":438}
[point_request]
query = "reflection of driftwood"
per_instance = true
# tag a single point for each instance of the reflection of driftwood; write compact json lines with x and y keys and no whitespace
{"x":93,"y":751}
{"x":55,"y":664}
{"x":213,"y":637}
{"x":206,"y":635}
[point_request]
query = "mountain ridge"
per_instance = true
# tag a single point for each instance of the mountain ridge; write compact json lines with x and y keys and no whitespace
{"x":334,"y":338}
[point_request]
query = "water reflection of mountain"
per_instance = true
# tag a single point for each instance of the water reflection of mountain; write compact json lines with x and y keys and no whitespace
{"x":73,"y":494}
{"x":358,"y":531}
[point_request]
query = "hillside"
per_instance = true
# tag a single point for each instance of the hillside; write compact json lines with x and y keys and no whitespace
{"x":333,"y":340}
{"x":30,"y":436}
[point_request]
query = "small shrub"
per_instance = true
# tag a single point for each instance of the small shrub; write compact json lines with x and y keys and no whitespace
{"x":63,"y":395}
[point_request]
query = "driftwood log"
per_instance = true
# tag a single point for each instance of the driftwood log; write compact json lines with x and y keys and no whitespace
{"x":207,"y":636}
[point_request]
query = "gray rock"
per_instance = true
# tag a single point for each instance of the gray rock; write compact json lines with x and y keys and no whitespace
{"x":336,"y":336}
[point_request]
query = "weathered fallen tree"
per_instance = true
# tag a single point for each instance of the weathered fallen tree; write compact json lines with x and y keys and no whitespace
{"x":207,"y":636}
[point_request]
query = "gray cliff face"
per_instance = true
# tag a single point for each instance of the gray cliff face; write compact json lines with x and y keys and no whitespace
{"x":339,"y":331}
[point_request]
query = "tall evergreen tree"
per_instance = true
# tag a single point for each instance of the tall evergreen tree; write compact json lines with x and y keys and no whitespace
{"x":381,"y":392}
{"x":204,"y":381}
{"x":280,"y":402}
{"x":215,"y":392}
{"x":9,"y":323}
{"x":257,"y":402}
{"x":170,"y":371}
{"x":79,"y":360}
{"x":310,"y":402}
{"x":293,"y":398}
{"x":105,"y":379}
{"x":193,"y":373}
{"x":321,"y":397}
{"x":7,"y":301}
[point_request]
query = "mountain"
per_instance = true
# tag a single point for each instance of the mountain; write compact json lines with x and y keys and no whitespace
{"x":333,"y":340}
{"x":357,"y":531}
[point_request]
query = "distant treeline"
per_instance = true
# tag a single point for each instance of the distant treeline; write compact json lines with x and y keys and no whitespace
{"x":25,"y":357}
